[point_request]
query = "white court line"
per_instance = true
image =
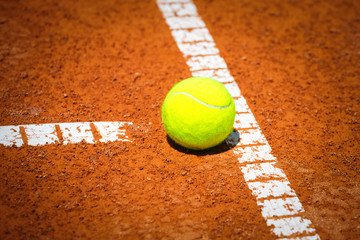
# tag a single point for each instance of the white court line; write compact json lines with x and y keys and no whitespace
{"x":42,"y":134}
{"x":279,"y":204}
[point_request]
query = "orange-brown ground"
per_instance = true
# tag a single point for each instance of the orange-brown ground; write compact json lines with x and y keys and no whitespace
{"x":296,"y":62}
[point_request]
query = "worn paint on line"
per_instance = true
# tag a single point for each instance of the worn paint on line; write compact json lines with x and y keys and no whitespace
{"x":267,"y":182}
{"x":43,"y":134}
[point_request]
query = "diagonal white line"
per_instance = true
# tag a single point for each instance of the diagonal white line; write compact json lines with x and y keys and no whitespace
{"x":278,"y":201}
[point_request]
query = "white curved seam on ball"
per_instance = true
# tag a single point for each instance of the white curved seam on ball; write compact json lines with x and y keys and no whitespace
{"x":199,"y":101}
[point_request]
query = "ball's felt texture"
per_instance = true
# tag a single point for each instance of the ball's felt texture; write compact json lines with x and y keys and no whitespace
{"x":198,"y":113}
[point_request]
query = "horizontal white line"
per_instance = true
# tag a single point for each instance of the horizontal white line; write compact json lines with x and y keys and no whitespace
{"x":112,"y":131}
{"x":42,"y":134}
{"x":10,"y":135}
{"x":76,"y":132}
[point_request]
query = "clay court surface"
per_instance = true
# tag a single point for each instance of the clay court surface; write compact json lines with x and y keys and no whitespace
{"x":297,"y":63}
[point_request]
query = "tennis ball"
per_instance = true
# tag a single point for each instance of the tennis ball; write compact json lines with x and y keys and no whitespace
{"x":198,"y":113}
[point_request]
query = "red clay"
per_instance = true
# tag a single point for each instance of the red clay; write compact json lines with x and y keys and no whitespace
{"x":296,"y":62}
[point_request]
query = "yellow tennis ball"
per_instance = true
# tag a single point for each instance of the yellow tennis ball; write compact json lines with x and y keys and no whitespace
{"x":198,"y":113}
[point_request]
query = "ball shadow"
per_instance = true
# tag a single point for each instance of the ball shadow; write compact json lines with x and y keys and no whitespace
{"x":229,"y":143}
